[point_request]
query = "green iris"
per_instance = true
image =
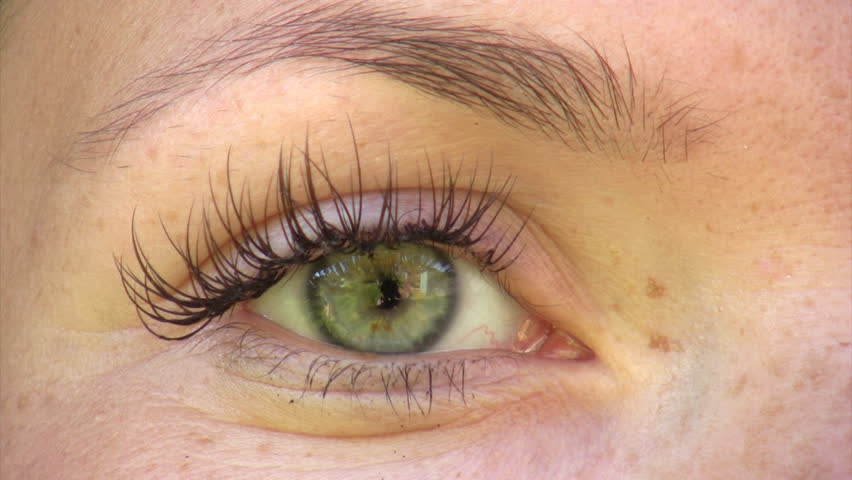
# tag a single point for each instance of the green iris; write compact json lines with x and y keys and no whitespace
{"x":390,"y":300}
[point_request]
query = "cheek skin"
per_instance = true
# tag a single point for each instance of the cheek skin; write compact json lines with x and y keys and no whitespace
{"x":106,"y":417}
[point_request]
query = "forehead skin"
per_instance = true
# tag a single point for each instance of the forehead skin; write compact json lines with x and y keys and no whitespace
{"x":721,"y":281}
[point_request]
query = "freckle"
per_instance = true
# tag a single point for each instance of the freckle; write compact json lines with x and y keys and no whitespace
{"x":205,"y":440}
{"x":838,"y":92}
{"x":709,"y":228}
{"x":654,"y":289}
{"x":616,"y":258}
{"x":799,"y":386}
{"x":738,"y":59}
{"x":740,"y":385}
{"x":684,"y":423}
{"x":664,"y":344}
{"x":771,"y":411}
{"x":23,"y":402}
{"x":776,"y":369}
{"x":815,"y":52}
{"x":608,"y":201}
{"x":264,"y":448}
{"x":816,"y":376}
{"x":754,"y":207}
{"x":809,"y":302}
{"x":170,"y":217}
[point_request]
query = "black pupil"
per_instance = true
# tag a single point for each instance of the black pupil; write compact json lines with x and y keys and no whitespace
{"x":390,"y":294}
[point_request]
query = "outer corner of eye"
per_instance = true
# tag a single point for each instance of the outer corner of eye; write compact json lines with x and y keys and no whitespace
{"x":410,"y":298}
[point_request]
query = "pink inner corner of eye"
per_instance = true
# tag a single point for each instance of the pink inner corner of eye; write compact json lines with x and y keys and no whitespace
{"x":541,"y":338}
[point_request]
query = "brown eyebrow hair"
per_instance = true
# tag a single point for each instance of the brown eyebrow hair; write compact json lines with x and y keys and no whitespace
{"x":526,"y":81}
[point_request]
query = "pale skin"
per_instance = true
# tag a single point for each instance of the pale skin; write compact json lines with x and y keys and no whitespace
{"x":712,"y":285}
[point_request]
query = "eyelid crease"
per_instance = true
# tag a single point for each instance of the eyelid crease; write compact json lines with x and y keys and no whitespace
{"x":462,"y":215}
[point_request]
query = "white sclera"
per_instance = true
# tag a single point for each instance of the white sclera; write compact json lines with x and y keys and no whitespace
{"x":484,"y":315}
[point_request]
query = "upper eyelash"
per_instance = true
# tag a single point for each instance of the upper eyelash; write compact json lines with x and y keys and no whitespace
{"x":210,"y":293}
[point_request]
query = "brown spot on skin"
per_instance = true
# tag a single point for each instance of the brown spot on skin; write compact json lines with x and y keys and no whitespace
{"x":776,"y":369}
{"x":838,"y":92}
{"x":754,"y":207}
{"x":23,"y":402}
{"x":816,"y":376}
{"x":616,"y":257}
{"x":664,"y":344}
{"x":684,"y":423}
{"x":738,"y":59}
{"x":654,"y":289}
{"x":769,"y":412}
{"x":169,"y":217}
{"x":740,"y":386}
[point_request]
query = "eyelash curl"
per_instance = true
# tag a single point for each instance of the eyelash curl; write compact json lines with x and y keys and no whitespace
{"x":250,"y":264}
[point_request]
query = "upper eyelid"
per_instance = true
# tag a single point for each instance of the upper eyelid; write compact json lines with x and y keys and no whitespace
{"x":208,"y":296}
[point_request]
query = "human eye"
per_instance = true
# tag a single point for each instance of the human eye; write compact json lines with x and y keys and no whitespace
{"x":400,"y":299}
{"x":389,"y":295}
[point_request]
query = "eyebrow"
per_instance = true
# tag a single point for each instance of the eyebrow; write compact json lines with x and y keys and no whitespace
{"x":526,"y":81}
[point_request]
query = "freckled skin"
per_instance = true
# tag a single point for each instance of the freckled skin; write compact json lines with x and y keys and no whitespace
{"x":654,"y":289}
{"x":719,"y":280}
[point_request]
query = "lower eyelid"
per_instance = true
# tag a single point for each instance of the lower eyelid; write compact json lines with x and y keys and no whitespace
{"x":298,"y":386}
{"x":259,"y":349}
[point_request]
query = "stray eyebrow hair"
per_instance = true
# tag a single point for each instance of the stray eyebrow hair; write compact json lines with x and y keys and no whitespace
{"x":525,"y":81}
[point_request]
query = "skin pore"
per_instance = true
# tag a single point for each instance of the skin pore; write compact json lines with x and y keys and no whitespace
{"x":705,"y":260}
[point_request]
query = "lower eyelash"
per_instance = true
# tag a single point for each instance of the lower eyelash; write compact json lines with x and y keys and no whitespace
{"x":408,"y":385}
{"x":458,"y":220}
